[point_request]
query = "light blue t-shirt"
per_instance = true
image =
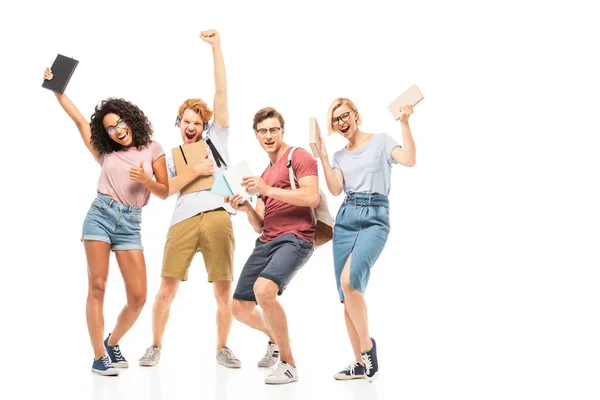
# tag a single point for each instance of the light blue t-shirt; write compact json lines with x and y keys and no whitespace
{"x":191,"y":204}
{"x":369,"y":168}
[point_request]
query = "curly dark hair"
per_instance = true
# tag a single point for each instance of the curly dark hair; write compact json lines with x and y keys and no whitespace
{"x":140,"y":126}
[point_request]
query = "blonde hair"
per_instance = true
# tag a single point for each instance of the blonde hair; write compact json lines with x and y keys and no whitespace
{"x":198,"y":106}
{"x":337,"y":103}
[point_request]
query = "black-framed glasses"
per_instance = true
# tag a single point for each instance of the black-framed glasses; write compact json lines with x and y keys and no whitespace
{"x":111,"y":130}
{"x":273,"y":130}
{"x":342,"y":118}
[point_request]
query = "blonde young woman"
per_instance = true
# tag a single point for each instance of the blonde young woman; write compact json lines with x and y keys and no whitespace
{"x":362,"y":170}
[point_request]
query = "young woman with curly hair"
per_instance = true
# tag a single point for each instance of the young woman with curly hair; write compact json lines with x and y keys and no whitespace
{"x":119,"y":138}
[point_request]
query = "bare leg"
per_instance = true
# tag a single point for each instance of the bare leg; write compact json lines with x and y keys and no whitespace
{"x":133,"y":270}
{"x":162,"y":308}
{"x":266,"y":295}
{"x":222,"y":291}
{"x":247,"y":313}
{"x":356,"y":308}
{"x":97,"y":254}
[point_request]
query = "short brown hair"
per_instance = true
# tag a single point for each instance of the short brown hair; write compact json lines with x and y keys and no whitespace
{"x":266,"y":113}
{"x":198,"y":106}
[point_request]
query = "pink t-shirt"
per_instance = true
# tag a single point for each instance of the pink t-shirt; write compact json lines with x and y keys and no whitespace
{"x":280,"y":217}
{"x":114,"y":179}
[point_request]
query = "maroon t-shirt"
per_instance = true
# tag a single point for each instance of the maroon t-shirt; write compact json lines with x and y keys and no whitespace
{"x":280,"y":217}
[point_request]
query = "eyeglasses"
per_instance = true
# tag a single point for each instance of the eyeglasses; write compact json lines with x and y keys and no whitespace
{"x":273,"y":130}
{"x":342,"y":118}
{"x":111,"y":130}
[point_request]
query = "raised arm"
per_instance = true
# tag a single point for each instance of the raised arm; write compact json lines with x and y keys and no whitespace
{"x":82,"y":124}
{"x":406,"y":156}
{"x":220,"y":106}
{"x":333,"y":176}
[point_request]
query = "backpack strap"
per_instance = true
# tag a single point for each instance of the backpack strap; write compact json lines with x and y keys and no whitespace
{"x":291,"y":169}
{"x":215,"y":153}
{"x":293,"y":179}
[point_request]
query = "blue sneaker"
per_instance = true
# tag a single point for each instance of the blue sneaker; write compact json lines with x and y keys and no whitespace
{"x":103,"y":366}
{"x":353,"y":371}
{"x":370,"y":360}
{"x":114,"y":353}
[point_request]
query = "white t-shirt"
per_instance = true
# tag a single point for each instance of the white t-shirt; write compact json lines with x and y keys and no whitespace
{"x":191,"y":204}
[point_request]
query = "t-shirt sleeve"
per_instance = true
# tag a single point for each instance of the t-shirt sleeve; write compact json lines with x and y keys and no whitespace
{"x":389,"y":143}
{"x":100,"y":159}
{"x":157,"y":151}
{"x":171,"y":167}
{"x":217,"y":132}
{"x":304,"y":164}
{"x":336,"y":162}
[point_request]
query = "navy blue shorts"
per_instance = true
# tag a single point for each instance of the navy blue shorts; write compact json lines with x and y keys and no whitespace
{"x":277,"y":261}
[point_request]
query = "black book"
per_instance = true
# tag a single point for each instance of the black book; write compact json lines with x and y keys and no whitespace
{"x":62,"y":70}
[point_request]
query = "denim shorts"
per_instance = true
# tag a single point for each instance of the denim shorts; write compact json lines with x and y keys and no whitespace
{"x":114,"y":223}
{"x":278,"y":261}
{"x":361,"y":228}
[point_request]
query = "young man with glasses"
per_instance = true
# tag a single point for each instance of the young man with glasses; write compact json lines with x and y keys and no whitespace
{"x":284,"y":219}
{"x":201,"y":222}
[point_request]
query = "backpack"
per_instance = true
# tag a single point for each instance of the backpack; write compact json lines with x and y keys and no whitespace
{"x":322,"y":216}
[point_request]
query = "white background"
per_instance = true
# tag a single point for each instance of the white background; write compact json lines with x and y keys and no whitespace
{"x":488,"y":286}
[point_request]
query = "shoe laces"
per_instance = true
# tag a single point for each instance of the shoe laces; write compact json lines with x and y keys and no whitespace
{"x":281,"y":368}
{"x":106,"y":362}
{"x":368,"y":363}
{"x":150,"y":352}
{"x":270,"y":351}
{"x":228,"y":354}
{"x":350,"y":368}
{"x":117,"y":352}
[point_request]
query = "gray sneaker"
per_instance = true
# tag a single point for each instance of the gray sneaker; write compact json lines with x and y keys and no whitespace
{"x":271,"y":356}
{"x":151,"y":357}
{"x":226,"y":357}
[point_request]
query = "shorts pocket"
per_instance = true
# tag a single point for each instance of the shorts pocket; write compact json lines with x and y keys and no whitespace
{"x":102,"y":206}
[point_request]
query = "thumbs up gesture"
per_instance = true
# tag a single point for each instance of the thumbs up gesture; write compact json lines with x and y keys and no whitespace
{"x":137,"y":174}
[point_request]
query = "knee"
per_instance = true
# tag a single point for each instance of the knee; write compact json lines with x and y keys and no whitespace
{"x":239,"y":310}
{"x":223,"y":300}
{"x":265,"y":292}
{"x":98,"y":288}
{"x":137,"y":300}
{"x":345,"y":282}
{"x":166,"y":294}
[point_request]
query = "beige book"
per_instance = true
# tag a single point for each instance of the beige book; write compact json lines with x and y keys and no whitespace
{"x":314,"y":138}
{"x":185,"y":157}
{"x":411,"y":97}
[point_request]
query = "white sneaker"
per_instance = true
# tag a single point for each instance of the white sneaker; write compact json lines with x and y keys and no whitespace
{"x":271,"y":356}
{"x":226,"y":357}
{"x":151,"y":357}
{"x":284,"y":373}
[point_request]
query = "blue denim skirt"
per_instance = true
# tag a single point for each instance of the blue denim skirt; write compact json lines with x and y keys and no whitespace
{"x":361,"y":228}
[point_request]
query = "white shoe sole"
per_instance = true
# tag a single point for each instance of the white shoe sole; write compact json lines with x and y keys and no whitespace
{"x":148,"y":363}
{"x":229,"y":365}
{"x":278,"y":382}
{"x":120,"y":365}
{"x":347,"y":377}
{"x":110,"y":372}
{"x":371,"y":379}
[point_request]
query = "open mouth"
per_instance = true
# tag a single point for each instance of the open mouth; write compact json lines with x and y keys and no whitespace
{"x":123,"y":135}
{"x":190,"y":136}
{"x":345,"y":129}
{"x":269,"y":144}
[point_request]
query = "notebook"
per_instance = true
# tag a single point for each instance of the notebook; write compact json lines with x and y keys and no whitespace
{"x":62,"y":70}
{"x":185,"y":157}
{"x":234,"y":177}
{"x":412,"y":96}
{"x":314,"y":138}
{"x":220,"y":185}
